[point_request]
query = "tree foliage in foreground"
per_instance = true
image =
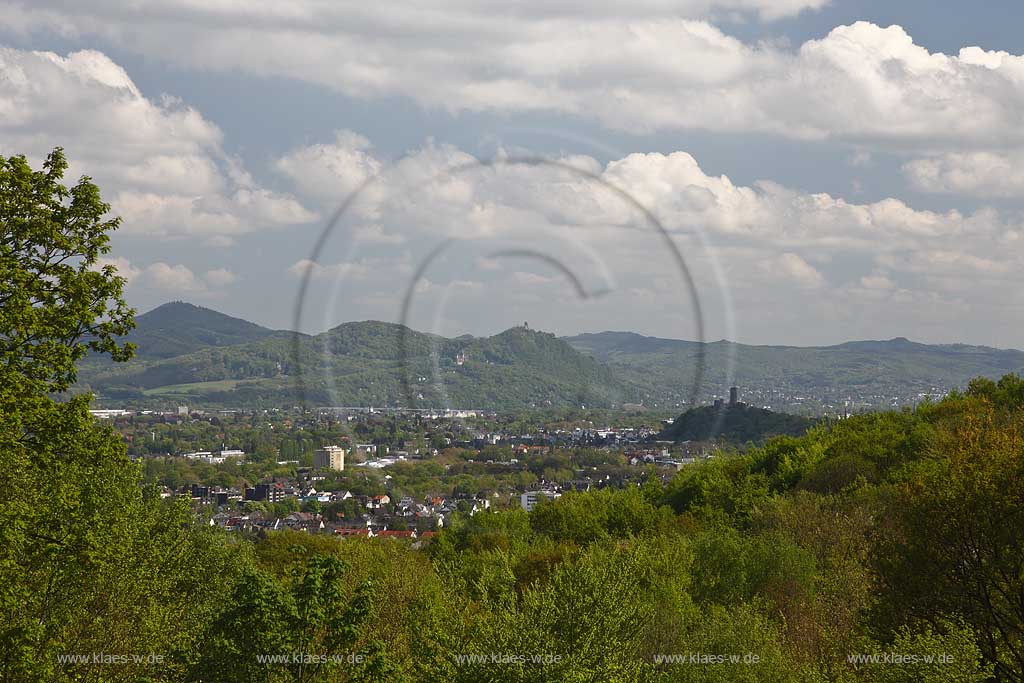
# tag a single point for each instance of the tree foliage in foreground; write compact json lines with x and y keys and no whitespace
{"x":57,"y":301}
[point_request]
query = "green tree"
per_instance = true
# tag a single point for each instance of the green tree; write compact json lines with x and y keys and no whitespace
{"x":719,"y":489}
{"x":1007,"y":392}
{"x":948,"y":654}
{"x":89,"y":561}
{"x":310,"y":616}
{"x":56,"y":303}
{"x":585,"y":623}
{"x":957,"y":542}
{"x":742,"y":632}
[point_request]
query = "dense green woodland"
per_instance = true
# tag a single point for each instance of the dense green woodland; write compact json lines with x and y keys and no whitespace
{"x":885,"y":533}
{"x":738,"y":423}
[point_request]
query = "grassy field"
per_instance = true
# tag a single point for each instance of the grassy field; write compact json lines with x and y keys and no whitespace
{"x":193,"y":389}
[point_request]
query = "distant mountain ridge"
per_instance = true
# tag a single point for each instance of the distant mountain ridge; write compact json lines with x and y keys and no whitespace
{"x":895,"y":367}
{"x":188,"y":353}
{"x":367,"y":363}
{"x":177,"y":328}
{"x":604,"y":343}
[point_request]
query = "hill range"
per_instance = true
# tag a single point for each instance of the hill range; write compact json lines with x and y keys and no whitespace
{"x":194,"y":355}
{"x":230,"y":362}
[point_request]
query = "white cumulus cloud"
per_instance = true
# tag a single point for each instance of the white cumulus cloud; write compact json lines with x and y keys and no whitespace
{"x":169,"y":279}
{"x":985,"y":174}
{"x":521,"y":228}
{"x":158,"y":162}
{"x":671,"y":66}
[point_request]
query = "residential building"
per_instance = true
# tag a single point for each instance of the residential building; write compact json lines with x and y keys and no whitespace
{"x":530,"y":499}
{"x":110,"y":413}
{"x":329,"y":458}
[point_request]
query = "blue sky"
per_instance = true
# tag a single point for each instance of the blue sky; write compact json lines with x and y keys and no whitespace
{"x":824,"y":174}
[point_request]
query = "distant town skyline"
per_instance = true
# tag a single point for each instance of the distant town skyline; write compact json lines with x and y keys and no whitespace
{"x":826,"y":171}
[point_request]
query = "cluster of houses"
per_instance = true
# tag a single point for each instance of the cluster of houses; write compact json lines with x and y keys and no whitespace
{"x":354,"y":412}
{"x":377,"y":513}
{"x":215,"y":457}
{"x":659,"y":455}
{"x":543,"y":440}
{"x":307,"y":522}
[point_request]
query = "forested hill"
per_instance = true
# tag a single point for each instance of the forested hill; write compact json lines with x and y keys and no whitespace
{"x":737,"y":423}
{"x":177,"y":328}
{"x":367,"y":363}
{"x":195,"y":355}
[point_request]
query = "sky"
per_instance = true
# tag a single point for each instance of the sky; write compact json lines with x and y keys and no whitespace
{"x":768,"y":171}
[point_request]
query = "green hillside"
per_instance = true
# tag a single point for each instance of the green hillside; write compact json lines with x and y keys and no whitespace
{"x":367,"y":363}
{"x":177,"y":328}
{"x":190,"y":354}
{"x":738,"y":423}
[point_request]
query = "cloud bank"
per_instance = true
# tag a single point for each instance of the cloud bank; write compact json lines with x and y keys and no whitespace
{"x":160,"y":163}
{"x":671,"y":67}
{"x":784,"y":256}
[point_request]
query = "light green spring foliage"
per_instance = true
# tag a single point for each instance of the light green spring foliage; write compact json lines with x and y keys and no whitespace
{"x":57,"y":302}
{"x":309,"y":614}
{"x":90,"y":562}
{"x":947,"y":654}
